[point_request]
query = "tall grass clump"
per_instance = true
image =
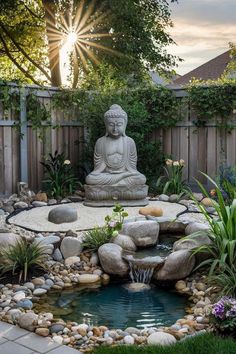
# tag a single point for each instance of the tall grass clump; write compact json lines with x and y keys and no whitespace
{"x":21,"y":258}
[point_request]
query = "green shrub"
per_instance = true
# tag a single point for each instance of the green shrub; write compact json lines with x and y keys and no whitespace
{"x":21,"y":258}
{"x":96,"y":237}
{"x":60,"y":179}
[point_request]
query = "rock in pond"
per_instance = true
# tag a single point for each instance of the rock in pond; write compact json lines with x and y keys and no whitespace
{"x":62,"y":214}
{"x":178,"y":265}
{"x":110,"y":256}
{"x":143,"y":233}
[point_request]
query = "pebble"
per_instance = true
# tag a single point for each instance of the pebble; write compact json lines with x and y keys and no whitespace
{"x":129,"y":340}
{"x":39,"y":291}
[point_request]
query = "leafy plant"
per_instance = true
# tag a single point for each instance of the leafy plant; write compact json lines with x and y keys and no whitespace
{"x":172,"y":182}
{"x":113,"y":224}
{"x":21,"y":258}
{"x":96,"y":237}
{"x":222,"y":233}
{"x":60,"y":177}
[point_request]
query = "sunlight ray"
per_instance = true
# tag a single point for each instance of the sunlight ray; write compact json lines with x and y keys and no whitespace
{"x":93,"y":23}
{"x":78,"y":14}
{"x":95,"y":35}
{"x":100,"y":46}
{"x":90,"y":54}
{"x":82,"y":57}
{"x":86,"y":16}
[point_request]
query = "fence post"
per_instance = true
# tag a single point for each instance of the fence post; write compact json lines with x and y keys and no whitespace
{"x":23,"y":140}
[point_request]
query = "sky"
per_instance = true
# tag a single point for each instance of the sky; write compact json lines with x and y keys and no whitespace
{"x":202,"y":30}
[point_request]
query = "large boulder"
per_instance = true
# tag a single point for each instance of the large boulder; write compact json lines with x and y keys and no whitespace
{"x":110,"y":256}
{"x":191,"y":242}
{"x":143,"y":233}
{"x":125,"y":242}
{"x":62,"y":214}
{"x":8,"y":239}
{"x":178,"y":265}
{"x":71,"y":246}
{"x":195,"y":227}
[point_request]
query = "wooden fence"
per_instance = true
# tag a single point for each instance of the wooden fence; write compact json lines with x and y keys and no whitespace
{"x":203,"y":149}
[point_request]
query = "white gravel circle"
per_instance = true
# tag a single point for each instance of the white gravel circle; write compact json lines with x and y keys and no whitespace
{"x":88,"y":217}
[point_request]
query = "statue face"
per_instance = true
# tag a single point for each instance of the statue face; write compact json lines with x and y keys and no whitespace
{"x":115,"y":127}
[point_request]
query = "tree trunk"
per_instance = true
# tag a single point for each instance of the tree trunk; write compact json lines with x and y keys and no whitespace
{"x":53,"y":55}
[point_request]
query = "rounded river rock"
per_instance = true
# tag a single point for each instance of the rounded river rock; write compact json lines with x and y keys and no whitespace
{"x":62,"y":214}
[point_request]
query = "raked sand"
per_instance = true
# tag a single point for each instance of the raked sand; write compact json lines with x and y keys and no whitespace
{"x":36,"y":219}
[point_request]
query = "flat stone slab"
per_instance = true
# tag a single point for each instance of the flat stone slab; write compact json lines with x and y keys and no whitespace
{"x":36,"y":219}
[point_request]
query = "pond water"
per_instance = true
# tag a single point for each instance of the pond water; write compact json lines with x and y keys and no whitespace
{"x":117,"y":307}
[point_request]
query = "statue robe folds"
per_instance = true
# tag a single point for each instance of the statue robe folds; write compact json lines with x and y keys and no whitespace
{"x":116,"y":167}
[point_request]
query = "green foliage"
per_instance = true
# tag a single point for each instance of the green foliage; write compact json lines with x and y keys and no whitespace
{"x":172,"y":182}
{"x":21,"y":258}
{"x":36,"y":113}
{"x":135,"y":36}
{"x":113,"y":224}
{"x":213,"y":100}
{"x":222,"y":233}
{"x":206,"y":343}
{"x":60,"y":177}
{"x":148,"y":108}
{"x":95,"y":238}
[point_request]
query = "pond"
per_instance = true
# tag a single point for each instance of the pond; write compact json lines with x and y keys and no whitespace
{"x":115,"y":306}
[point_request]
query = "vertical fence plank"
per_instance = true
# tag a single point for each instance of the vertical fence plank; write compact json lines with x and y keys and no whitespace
{"x":2,"y":187}
{"x":7,"y":153}
{"x":23,"y":140}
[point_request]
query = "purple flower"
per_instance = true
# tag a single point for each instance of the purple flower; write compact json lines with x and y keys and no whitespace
{"x":224,"y":308}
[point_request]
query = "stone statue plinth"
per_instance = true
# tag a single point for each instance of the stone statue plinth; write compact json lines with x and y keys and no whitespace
{"x":109,"y":195}
{"x":115,"y":178}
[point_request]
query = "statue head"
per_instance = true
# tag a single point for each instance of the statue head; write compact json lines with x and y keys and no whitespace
{"x":115,"y":120}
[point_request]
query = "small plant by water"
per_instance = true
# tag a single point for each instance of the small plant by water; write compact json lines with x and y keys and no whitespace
{"x":21,"y":258}
{"x":99,"y":235}
{"x":60,"y":179}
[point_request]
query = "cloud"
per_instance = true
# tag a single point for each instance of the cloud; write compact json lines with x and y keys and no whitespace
{"x":202,"y":30}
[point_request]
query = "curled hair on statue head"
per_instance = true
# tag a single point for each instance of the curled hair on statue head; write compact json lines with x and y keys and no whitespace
{"x":116,"y":111}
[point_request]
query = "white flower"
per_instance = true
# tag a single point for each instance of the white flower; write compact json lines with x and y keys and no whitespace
{"x":176,"y":163}
{"x":169,"y":162}
{"x":181,"y":162}
{"x":67,"y":162}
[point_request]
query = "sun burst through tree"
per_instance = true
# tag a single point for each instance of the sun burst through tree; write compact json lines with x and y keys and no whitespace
{"x":74,"y":38}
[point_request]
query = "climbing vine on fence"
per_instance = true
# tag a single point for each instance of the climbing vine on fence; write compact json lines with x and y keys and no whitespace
{"x":213,"y":100}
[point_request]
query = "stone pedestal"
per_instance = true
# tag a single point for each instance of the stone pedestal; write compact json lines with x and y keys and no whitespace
{"x":109,"y":195}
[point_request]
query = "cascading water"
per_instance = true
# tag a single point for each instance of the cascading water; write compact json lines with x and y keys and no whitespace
{"x":138,"y":274}
{"x":141,"y":270}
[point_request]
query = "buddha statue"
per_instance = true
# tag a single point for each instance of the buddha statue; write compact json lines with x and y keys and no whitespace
{"x":115,"y":177}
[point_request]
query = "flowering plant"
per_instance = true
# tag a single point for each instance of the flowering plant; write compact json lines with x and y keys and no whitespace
{"x":115,"y":221}
{"x":60,"y":180}
{"x":174,"y":173}
{"x":224,"y":313}
{"x":96,"y":237}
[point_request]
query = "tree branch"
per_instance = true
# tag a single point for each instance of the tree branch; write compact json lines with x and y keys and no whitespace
{"x":32,"y":12}
{"x":25,"y":72}
{"x":24,"y":53}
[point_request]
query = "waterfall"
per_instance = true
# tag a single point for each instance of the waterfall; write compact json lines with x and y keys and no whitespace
{"x":140,"y":274}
